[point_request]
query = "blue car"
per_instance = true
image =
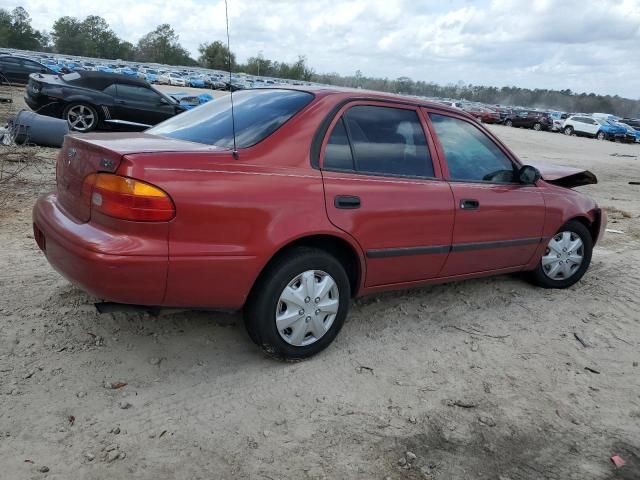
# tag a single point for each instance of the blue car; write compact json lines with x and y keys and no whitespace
{"x":128,"y":71}
{"x":196,"y":82}
{"x":104,"y":68}
{"x":189,"y":101}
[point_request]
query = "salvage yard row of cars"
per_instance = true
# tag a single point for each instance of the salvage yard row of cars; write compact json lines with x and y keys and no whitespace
{"x":602,"y":126}
{"x":16,"y":67}
{"x":133,"y":103}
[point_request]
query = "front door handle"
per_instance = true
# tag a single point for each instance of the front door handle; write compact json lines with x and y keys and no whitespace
{"x":469,"y":204}
{"x":346,"y":201}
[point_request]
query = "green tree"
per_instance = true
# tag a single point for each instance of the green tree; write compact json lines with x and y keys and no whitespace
{"x":162,"y":46}
{"x":16,"y":31}
{"x":69,"y":37}
{"x":216,"y":55}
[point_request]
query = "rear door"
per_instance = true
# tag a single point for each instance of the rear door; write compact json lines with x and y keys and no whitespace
{"x":498,"y":221}
{"x":383,"y":188}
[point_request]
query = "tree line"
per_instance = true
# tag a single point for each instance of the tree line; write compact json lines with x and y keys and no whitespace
{"x":92,"y":37}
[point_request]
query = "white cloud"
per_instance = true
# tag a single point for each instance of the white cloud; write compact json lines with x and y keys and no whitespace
{"x":584,"y":46}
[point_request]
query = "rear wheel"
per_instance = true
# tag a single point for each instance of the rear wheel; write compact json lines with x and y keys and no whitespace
{"x":566,"y":257}
{"x":568,"y":131}
{"x":81,"y":117}
{"x":299,"y":304}
{"x":508,"y":123}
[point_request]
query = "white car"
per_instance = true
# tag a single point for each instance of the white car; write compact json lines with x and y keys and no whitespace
{"x":171,"y":78}
{"x":582,"y":125}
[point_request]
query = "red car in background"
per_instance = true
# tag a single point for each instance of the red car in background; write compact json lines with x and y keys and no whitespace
{"x":331,"y":194}
{"x":482,"y":114}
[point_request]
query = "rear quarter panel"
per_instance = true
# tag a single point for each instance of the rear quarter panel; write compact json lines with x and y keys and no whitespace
{"x":232,"y":216}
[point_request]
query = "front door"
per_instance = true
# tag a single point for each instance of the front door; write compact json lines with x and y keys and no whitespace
{"x":498,"y":222}
{"x":382,"y":188}
{"x":141,"y":105}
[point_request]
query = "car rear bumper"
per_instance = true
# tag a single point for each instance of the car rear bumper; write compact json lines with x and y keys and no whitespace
{"x":77,"y":252}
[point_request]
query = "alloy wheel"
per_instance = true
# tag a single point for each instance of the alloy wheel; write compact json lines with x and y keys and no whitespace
{"x":307,"y":308}
{"x":81,"y":118}
{"x":563,"y":256}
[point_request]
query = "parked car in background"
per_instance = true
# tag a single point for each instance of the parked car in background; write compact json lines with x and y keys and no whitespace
{"x":303,"y":216}
{"x":588,"y":126}
{"x":482,"y":114}
{"x":16,"y":69}
{"x":91,"y":100}
{"x":529,"y":119}
{"x":558,"y":120}
{"x":172,"y":78}
{"x":504,"y":112}
{"x":196,"y":82}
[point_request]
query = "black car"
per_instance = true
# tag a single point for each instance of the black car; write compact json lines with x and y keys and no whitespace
{"x":90,"y":100}
{"x":16,"y":69}
{"x":529,"y":119}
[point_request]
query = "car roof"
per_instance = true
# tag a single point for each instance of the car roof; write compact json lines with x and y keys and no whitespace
{"x":358,"y":93}
{"x":101,"y":80}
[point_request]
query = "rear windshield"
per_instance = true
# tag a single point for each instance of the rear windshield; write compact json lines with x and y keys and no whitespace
{"x":258,"y":113}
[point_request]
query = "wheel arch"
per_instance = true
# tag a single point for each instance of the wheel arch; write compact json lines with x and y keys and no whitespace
{"x":592,"y":225}
{"x":345,"y":251}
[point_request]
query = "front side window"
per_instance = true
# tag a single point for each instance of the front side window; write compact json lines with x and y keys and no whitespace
{"x":258,"y":113}
{"x":388,"y":140}
{"x":135,"y":93}
{"x":470,"y":154}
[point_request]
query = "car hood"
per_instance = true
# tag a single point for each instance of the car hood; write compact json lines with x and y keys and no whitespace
{"x":568,"y":177}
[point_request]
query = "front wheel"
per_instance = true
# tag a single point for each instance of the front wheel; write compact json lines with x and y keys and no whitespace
{"x":537,"y":126}
{"x":299,"y":304}
{"x":566,"y":257}
{"x":509,"y":123}
{"x":601,"y":136}
{"x":568,"y":131}
{"x":81,"y":117}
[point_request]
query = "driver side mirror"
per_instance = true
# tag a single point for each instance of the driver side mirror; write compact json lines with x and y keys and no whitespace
{"x":529,"y":175}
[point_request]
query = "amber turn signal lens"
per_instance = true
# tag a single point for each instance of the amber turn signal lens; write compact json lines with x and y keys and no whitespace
{"x":128,"y":198}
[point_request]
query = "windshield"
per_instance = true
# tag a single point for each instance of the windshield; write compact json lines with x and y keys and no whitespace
{"x":258,"y":113}
{"x":152,"y":72}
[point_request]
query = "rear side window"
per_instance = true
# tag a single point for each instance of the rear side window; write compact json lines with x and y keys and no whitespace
{"x":258,"y":113}
{"x":384,"y":140}
{"x":337,"y":154}
{"x":470,"y":154}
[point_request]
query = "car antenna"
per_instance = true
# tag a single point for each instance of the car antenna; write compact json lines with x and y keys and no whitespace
{"x":233,"y":118}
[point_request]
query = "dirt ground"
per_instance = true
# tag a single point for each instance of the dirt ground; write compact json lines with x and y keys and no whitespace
{"x":483,"y":379}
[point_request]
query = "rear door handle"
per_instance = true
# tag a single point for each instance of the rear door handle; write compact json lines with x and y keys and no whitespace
{"x":346,"y":201}
{"x":469,"y":204}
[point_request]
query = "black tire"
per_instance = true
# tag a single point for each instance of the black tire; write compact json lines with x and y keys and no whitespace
{"x":260,"y":310}
{"x":601,"y":136}
{"x":540,"y":278}
{"x":508,"y":123}
{"x":537,"y":126}
{"x":75,"y":105}
{"x":568,"y":131}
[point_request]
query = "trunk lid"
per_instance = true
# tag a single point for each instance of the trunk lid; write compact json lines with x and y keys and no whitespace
{"x":83,"y":155}
{"x":568,"y":177}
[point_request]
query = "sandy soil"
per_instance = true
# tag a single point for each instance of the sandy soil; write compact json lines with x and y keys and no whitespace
{"x":482,"y":379}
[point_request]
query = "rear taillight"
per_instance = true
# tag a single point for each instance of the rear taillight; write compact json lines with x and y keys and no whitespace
{"x":127,"y":198}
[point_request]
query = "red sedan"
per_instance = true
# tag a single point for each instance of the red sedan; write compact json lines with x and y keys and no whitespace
{"x":331,"y":194}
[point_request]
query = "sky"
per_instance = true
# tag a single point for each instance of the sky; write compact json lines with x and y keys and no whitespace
{"x":587,"y":45}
